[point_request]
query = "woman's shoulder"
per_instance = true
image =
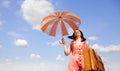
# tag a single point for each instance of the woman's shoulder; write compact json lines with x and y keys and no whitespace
{"x":86,"y":42}
{"x":72,"y":42}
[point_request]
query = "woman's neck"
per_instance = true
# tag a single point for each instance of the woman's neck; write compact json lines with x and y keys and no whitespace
{"x":78,"y":38}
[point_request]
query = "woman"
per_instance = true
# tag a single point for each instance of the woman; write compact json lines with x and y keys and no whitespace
{"x":76,"y":46}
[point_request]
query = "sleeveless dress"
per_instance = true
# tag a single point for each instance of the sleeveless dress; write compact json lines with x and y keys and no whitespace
{"x":76,"y":63}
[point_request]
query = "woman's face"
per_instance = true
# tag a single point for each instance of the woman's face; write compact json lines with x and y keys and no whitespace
{"x":77,"y":33}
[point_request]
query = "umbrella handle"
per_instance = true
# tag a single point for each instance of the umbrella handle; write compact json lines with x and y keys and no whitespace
{"x":62,"y":41}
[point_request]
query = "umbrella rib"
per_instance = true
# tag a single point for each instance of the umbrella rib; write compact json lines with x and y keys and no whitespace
{"x":44,"y":27}
{"x":64,"y":13}
{"x":47,"y":17}
{"x":57,"y":13}
{"x":53,"y":29}
{"x":72,"y":25}
{"x":63,"y":29}
{"x":73,"y":17}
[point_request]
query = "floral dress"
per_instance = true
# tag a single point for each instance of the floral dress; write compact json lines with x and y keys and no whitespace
{"x":76,"y":63}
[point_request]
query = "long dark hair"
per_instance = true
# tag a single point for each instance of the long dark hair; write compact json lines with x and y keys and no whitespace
{"x":73,"y":36}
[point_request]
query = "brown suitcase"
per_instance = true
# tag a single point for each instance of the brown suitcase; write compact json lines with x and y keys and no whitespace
{"x":92,"y":60}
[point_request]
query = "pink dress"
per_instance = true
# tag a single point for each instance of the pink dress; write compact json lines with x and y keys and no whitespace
{"x":76,"y":62}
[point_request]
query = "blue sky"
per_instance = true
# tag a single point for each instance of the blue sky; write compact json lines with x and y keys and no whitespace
{"x":24,"y":47}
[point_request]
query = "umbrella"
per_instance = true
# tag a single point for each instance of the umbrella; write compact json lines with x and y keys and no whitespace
{"x":60,"y":18}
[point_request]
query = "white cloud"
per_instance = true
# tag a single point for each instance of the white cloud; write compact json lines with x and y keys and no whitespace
{"x":6,"y":3}
{"x":105,"y":59}
{"x":34,"y":10}
{"x":42,"y":66}
{"x":60,"y":58}
{"x":8,"y":61}
{"x":54,"y":43}
{"x":21,"y":42}
{"x":17,"y":58}
{"x":35,"y":56}
{"x":113,"y":66}
{"x":110,"y":48}
{"x":93,"y":38}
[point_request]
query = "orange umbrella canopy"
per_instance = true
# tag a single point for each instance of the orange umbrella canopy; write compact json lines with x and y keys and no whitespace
{"x":65,"y":17}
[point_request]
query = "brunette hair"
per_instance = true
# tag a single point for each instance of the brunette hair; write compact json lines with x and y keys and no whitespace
{"x":73,"y":36}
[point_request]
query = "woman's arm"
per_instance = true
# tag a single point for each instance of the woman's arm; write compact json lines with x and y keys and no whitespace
{"x":67,"y":50}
